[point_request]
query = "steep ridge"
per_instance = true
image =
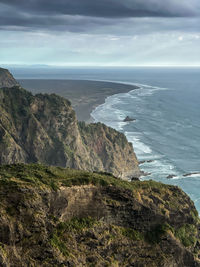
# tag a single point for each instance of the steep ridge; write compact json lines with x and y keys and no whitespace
{"x":6,"y":79}
{"x":61,"y":217}
{"x":44,"y":128}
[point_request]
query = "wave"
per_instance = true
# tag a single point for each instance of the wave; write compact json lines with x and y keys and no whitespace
{"x":148,"y":139}
{"x":113,"y":112}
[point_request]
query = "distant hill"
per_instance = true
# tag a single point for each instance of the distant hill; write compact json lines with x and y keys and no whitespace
{"x":6,"y":79}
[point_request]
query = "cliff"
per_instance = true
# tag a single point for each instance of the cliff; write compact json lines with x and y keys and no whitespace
{"x":111,"y":148}
{"x":51,"y":216}
{"x":6,"y":79}
{"x":44,"y":129}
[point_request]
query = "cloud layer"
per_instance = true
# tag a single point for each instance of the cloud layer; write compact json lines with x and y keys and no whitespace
{"x":108,"y":8}
{"x":99,"y":32}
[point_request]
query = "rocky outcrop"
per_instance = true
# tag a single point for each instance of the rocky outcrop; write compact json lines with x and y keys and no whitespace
{"x":44,"y":128}
{"x":6,"y":79}
{"x":110,"y":148}
{"x":60,"y":217}
{"x":128,"y":119}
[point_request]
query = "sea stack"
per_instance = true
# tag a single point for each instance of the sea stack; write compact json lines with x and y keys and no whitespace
{"x":127,"y":119}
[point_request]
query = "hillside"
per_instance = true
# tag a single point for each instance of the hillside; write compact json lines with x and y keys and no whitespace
{"x":6,"y":79}
{"x":43,"y":128}
{"x":61,"y":217}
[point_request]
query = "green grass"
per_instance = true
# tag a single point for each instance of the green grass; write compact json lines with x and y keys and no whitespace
{"x":56,"y":242}
{"x":63,"y":231}
{"x":186,"y":234}
{"x":37,"y":174}
{"x":75,"y":224}
{"x":131,"y":234}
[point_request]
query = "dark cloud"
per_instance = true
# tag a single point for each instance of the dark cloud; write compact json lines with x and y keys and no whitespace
{"x":108,"y":8}
{"x":91,"y":15}
{"x":99,"y":31}
{"x":69,"y":23}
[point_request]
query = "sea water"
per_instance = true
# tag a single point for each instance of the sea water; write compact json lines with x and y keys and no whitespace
{"x":166,"y":110}
{"x":166,"y":129}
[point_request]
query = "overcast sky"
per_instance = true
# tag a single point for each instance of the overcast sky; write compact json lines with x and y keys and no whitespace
{"x":100,"y":32}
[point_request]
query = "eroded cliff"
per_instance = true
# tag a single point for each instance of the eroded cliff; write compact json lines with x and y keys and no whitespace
{"x":44,"y":128}
{"x":61,"y":217}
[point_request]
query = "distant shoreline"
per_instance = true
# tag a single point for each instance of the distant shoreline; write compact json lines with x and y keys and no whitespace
{"x":85,"y":95}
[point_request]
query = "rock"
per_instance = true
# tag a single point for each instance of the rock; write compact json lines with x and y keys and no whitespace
{"x":170,"y":176}
{"x":128,"y":119}
{"x":135,"y":179}
{"x":146,"y":161}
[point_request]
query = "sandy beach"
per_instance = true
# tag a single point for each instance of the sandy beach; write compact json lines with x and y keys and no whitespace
{"x":84,"y":95}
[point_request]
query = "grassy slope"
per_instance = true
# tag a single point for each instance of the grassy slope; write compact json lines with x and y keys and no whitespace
{"x":164,"y":199}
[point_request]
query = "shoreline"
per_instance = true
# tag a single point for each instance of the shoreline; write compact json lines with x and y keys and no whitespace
{"x":85,"y":95}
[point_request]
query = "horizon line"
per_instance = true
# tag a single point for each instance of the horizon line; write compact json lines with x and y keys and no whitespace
{"x":99,"y":66}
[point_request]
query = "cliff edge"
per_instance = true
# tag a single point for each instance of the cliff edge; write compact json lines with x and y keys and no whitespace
{"x":61,"y":217}
{"x":6,"y":79}
{"x":44,"y":129}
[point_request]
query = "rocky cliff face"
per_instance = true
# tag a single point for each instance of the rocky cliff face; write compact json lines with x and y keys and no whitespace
{"x":110,"y":148}
{"x":6,"y":79}
{"x":60,"y":217}
{"x":44,"y":128}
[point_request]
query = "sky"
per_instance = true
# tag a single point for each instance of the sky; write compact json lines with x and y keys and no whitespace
{"x":100,"y":32}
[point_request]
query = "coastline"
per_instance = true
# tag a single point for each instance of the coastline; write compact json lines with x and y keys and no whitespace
{"x":85,"y":95}
{"x":88,"y":95}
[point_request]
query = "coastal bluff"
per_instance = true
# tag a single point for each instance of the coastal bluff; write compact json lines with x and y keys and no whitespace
{"x":7,"y":79}
{"x":44,"y":129}
{"x":51,"y":216}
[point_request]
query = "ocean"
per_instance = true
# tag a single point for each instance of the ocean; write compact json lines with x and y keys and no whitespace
{"x":166,"y":110}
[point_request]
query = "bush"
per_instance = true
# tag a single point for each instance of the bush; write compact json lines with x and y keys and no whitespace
{"x":154,"y":235}
{"x":186,"y":234}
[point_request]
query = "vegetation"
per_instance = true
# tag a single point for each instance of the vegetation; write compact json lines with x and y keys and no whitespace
{"x":56,"y":242}
{"x":53,"y":177}
{"x":24,"y":196}
{"x":154,"y":236}
{"x":38,"y":174}
{"x":75,"y":225}
{"x":131,"y":233}
{"x":186,"y":234}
